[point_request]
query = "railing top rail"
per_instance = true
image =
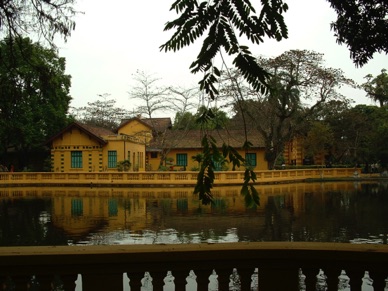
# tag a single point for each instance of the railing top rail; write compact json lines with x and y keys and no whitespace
{"x":250,"y":250}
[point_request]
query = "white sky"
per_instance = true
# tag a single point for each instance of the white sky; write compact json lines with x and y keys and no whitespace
{"x":112,"y":41}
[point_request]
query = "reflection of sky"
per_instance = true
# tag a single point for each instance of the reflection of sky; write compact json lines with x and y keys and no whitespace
{"x":166,"y":236}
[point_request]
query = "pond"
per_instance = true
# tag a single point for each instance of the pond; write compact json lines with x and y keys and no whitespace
{"x":348,"y":212}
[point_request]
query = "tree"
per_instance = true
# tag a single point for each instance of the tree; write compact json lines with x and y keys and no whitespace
{"x":101,"y":113}
{"x":377,"y":87}
{"x":300,"y":85}
{"x":43,"y":18}
{"x":225,"y":21}
{"x":34,"y":95}
{"x":319,"y":140}
{"x":147,"y":91}
{"x":362,"y":26}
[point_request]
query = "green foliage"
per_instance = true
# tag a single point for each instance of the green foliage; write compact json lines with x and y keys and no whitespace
{"x":205,"y":179}
{"x":377,"y":87}
{"x":319,"y":139}
{"x":362,"y":26}
{"x":124,"y":166}
{"x":224,"y":21}
{"x":34,"y":94}
{"x":204,"y":118}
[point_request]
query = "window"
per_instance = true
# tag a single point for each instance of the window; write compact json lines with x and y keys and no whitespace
{"x":77,"y":207}
{"x":250,"y":159}
{"x":181,"y":160}
{"x":76,"y":159}
{"x":154,"y":155}
{"x":112,"y":159}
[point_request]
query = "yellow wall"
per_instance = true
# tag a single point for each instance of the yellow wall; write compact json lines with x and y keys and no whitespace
{"x":294,"y":153}
{"x":191,"y":164}
{"x":94,"y":155}
{"x":137,"y":129}
{"x":75,"y":140}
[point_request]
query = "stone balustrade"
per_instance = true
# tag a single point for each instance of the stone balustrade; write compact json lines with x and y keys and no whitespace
{"x":263,"y":266}
{"x":167,"y":178}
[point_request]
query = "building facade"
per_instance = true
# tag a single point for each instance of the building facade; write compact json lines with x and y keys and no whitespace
{"x":144,"y":145}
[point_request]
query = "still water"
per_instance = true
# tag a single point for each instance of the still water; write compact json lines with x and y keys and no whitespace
{"x":346,"y":212}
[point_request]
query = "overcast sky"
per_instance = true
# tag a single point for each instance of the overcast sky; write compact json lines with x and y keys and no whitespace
{"x":112,"y":41}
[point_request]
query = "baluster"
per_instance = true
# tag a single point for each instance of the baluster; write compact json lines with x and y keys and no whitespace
{"x":343,"y":282}
{"x":321,"y":284}
{"x":169,"y":284}
{"x":386,"y":284}
{"x":367,"y":282}
{"x":301,"y":279}
{"x":234,"y":281}
{"x":213,"y":282}
{"x":69,"y":281}
{"x":191,"y":281}
{"x":255,"y":280}
{"x":146,"y":283}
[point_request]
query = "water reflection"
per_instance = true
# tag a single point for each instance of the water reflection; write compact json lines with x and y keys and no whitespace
{"x":329,"y":212}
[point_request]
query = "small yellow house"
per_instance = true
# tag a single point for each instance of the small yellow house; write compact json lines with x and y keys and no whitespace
{"x":85,"y":148}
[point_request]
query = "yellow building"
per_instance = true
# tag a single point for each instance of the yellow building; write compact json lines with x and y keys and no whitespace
{"x":147,"y":144}
{"x":84,"y":148}
{"x":294,"y":154}
{"x":176,"y":149}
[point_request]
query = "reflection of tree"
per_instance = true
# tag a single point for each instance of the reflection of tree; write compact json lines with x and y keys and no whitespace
{"x":278,"y":219}
{"x":22,"y":225}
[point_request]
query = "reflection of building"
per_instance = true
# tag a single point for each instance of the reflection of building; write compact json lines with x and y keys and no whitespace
{"x":80,"y":212}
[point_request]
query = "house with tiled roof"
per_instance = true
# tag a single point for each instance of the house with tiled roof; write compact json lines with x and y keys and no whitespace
{"x":145,"y":144}
{"x":85,"y":148}
{"x":176,"y":149}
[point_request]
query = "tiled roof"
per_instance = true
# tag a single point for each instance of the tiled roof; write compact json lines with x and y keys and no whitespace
{"x":98,"y":131}
{"x":94,"y":131}
{"x":126,"y":121}
{"x":191,"y":139}
{"x":159,"y":124}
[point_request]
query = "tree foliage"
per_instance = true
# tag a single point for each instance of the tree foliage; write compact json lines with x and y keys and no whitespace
{"x":300,"y":85}
{"x":34,"y":94}
{"x":377,"y":87}
{"x":43,"y":18}
{"x":224,"y":22}
{"x":204,"y":118}
{"x":362,"y":26}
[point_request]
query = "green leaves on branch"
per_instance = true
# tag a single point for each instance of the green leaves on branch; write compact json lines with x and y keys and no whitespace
{"x":212,"y":155}
{"x":225,"y":21}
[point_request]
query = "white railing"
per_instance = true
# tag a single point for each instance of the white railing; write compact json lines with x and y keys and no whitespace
{"x":230,"y":266}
